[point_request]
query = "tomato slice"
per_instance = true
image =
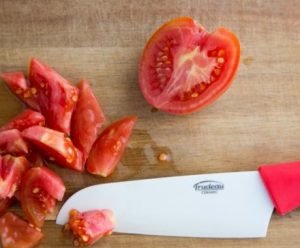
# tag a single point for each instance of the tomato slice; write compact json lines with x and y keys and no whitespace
{"x":11,"y":142}
{"x":56,"y":96}
{"x":12,"y":170}
{"x":88,"y":227}
{"x":184,"y":68}
{"x":5,"y":204}
{"x":17,"y":233}
{"x":87,"y":119}
{"x":24,"y":120}
{"x":55,"y":145}
{"x":110,"y":146}
{"x":21,"y":88}
{"x":39,"y":191}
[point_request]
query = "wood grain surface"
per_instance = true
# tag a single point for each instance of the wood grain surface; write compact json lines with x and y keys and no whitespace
{"x":257,"y":121}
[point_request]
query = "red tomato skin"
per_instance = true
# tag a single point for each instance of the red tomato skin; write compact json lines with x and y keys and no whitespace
{"x":87,"y":120}
{"x":35,"y":181}
{"x":56,"y":96}
{"x":110,"y":146}
{"x":90,"y":226}
{"x":55,"y":145}
{"x":12,"y":170}
{"x":24,"y":120}
{"x":11,"y":142}
{"x":5,"y":204}
{"x":17,"y":233}
{"x":21,"y":88}
{"x":220,"y":37}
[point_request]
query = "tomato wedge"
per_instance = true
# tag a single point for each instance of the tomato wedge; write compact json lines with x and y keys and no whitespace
{"x":87,"y":119}
{"x":185,"y":68}
{"x":56,"y":96}
{"x":88,"y":227}
{"x":21,"y":88}
{"x":110,"y":146}
{"x":40,"y":189}
{"x":17,"y":233}
{"x":12,"y":170}
{"x":55,"y":145}
{"x":24,"y":120}
{"x":5,"y":204}
{"x":11,"y":142}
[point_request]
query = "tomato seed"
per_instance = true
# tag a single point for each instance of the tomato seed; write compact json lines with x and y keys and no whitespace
{"x":168,"y":62}
{"x":164,"y":58}
{"x":221,"y":53}
{"x":165,"y":48}
{"x":194,"y":95}
{"x":220,"y":60}
{"x":74,"y":98}
{"x":85,"y":238}
{"x":159,"y":64}
{"x":19,"y":91}
{"x":163,"y":157}
{"x":36,"y":190}
{"x":26,"y":94}
{"x":33,"y":91}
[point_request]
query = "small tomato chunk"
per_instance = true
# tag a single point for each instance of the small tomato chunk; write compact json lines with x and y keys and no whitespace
{"x":110,"y":146}
{"x":55,"y":145}
{"x":88,"y":227}
{"x":11,"y":142}
{"x":40,"y":189}
{"x":17,"y":233}
{"x":87,"y":119}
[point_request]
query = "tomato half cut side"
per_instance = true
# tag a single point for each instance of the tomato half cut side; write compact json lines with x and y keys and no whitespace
{"x":24,"y":120}
{"x":185,"y":68}
{"x":12,"y":170}
{"x":17,"y":233}
{"x":88,"y":227}
{"x":11,"y":142}
{"x":87,"y":120}
{"x":110,"y":146}
{"x":55,"y":145}
{"x":40,"y":189}
{"x":5,"y":204}
{"x":21,"y":88}
{"x":56,"y":96}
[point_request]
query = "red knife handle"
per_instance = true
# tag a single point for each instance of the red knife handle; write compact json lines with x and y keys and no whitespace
{"x":283,"y":184}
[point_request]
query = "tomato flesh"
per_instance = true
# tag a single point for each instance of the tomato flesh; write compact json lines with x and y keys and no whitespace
{"x":12,"y":170}
{"x":17,"y":233}
{"x":55,"y":145}
{"x":11,"y":142}
{"x":184,"y":68}
{"x":56,"y":96}
{"x":22,"y":88}
{"x":110,"y":146}
{"x":40,"y":189}
{"x":87,"y":119}
{"x":5,"y":204}
{"x":24,"y":120}
{"x":88,"y":227}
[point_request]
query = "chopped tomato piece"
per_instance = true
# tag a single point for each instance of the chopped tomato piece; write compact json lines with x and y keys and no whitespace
{"x":12,"y":170}
{"x":87,"y":120}
{"x":56,"y":96}
{"x":21,"y":87}
{"x":5,"y":204}
{"x":40,"y":189}
{"x":17,"y":233}
{"x":24,"y":120}
{"x":185,"y":68}
{"x":11,"y":142}
{"x":55,"y":145}
{"x":88,"y":227}
{"x":110,"y":146}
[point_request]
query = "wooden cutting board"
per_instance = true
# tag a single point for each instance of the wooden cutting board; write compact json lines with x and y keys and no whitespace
{"x":257,"y":121}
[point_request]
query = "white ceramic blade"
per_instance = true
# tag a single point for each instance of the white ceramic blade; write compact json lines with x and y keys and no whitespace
{"x":222,"y":205}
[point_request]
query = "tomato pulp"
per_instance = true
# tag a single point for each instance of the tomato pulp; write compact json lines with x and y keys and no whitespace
{"x":184,"y":68}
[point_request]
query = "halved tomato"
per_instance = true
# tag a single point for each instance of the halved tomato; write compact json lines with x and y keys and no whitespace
{"x":11,"y":142}
{"x":184,"y":68}
{"x":12,"y":170}
{"x":110,"y":146}
{"x":5,"y":204}
{"x":21,"y":87}
{"x":24,"y":120}
{"x":39,"y":191}
{"x":87,"y":119}
{"x":17,"y":233}
{"x":55,"y":145}
{"x":88,"y":227}
{"x":56,"y":96}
